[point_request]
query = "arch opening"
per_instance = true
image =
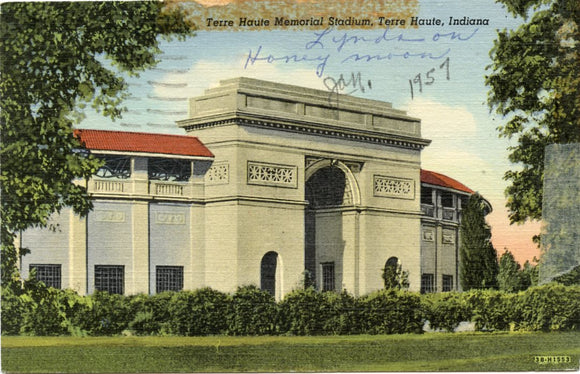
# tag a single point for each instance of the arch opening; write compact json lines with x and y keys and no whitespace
{"x":268,"y":273}
{"x":327,"y":189}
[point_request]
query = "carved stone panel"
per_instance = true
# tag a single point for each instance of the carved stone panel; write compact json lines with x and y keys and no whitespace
{"x":218,"y":173}
{"x":448,"y":238}
{"x":401,"y":188}
{"x":109,"y":216}
{"x":428,"y":235}
{"x":265,"y":174}
{"x":167,"y":218}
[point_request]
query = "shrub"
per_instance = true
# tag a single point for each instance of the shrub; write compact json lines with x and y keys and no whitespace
{"x":151,"y":313}
{"x":552,"y":307}
{"x":252,"y":312}
{"x":391,"y":312}
{"x":107,"y":314}
{"x":490,"y":310}
{"x":445,"y":310}
{"x":43,"y":311}
{"x":199,"y":312}
{"x":304,"y":312}
{"x":343,"y":314}
{"x":13,"y":310}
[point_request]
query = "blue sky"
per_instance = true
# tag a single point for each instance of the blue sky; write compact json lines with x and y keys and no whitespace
{"x":454,"y":112}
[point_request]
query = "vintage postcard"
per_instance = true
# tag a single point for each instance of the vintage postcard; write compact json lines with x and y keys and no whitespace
{"x":297,"y":185}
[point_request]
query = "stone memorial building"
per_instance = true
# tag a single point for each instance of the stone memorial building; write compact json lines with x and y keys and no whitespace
{"x":272,"y":183}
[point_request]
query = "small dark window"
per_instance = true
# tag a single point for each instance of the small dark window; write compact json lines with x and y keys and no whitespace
{"x":49,"y":274}
{"x":427,"y":283}
{"x":169,"y":278}
{"x":447,"y":283}
{"x":426,"y":195}
{"x":328,"y":276}
{"x":447,"y":199}
{"x":110,"y":278}
{"x":115,"y":167}
{"x":168,"y":169}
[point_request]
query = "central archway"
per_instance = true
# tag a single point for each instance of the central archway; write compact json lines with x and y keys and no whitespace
{"x":329,"y":188}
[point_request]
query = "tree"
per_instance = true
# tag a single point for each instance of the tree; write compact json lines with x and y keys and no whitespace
{"x":509,"y":275}
{"x":535,"y":83}
{"x":57,"y":57}
{"x":478,"y":258}
{"x":529,"y":274}
{"x":395,"y":277}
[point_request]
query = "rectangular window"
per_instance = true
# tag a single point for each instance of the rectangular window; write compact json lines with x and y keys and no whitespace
{"x":49,"y":274}
{"x":427,"y":283}
{"x":110,"y":278}
{"x":447,"y":283}
{"x":328,"y":276}
{"x":447,"y":199}
{"x":426,"y":195}
{"x":169,"y":278}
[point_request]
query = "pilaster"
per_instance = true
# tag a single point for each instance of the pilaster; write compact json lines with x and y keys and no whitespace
{"x":77,"y":265}
{"x":140,"y":244}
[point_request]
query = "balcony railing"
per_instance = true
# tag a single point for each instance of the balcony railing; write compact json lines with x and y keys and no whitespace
{"x":108,"y":186}
{"x":428,"y":210}
{"x":449,"y":214}
{"x":166,"y":189}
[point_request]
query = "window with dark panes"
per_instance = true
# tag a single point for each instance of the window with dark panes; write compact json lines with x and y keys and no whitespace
{"x":110,"y":278}
{"x":427,"y":283}
{"x":447,"y":283}
{"x":169,"y":278}
{"x":328,"y":276}
{"x":49,"y":274}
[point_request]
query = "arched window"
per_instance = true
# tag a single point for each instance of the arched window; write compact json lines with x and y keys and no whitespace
{"x":268,"y":272}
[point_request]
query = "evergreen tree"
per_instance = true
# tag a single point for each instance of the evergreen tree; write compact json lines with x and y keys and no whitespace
{"x":478,"y":258}
{"x":529,"y":275}
{"x":509,"y":278}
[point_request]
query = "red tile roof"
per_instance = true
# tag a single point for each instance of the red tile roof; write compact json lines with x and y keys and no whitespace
{"x":431,"y":177}
{"x":123,"y":141}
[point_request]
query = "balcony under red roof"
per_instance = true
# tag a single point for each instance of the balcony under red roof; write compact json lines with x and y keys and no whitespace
{"x":437,"y":179}
{"x":122,"y":141}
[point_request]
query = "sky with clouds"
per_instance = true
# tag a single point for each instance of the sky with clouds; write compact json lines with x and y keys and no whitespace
{"x":453,"y":108}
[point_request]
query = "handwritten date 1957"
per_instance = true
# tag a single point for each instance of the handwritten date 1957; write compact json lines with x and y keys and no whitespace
{"x":429,"y":77}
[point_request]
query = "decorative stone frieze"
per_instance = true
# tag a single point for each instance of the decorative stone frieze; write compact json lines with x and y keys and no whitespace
{"x":394,"y":187}
{"x":266,"y":174}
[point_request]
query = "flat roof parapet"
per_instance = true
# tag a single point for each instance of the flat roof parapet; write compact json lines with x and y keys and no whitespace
{"x":254,"y":99}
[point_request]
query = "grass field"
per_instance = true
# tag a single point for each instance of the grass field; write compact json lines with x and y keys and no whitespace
{"x":428,"y":352}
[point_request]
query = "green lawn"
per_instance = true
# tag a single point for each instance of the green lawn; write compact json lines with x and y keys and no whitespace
{"x":428,"y":352}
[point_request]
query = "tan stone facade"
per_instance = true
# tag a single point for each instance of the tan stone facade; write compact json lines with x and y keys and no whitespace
{"x":303,"y":183}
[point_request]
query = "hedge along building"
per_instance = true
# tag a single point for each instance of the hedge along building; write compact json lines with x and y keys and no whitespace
{"x":304,"y":183}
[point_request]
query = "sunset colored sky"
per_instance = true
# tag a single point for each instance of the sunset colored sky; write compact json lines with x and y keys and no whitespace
{"x":454,"y":113}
